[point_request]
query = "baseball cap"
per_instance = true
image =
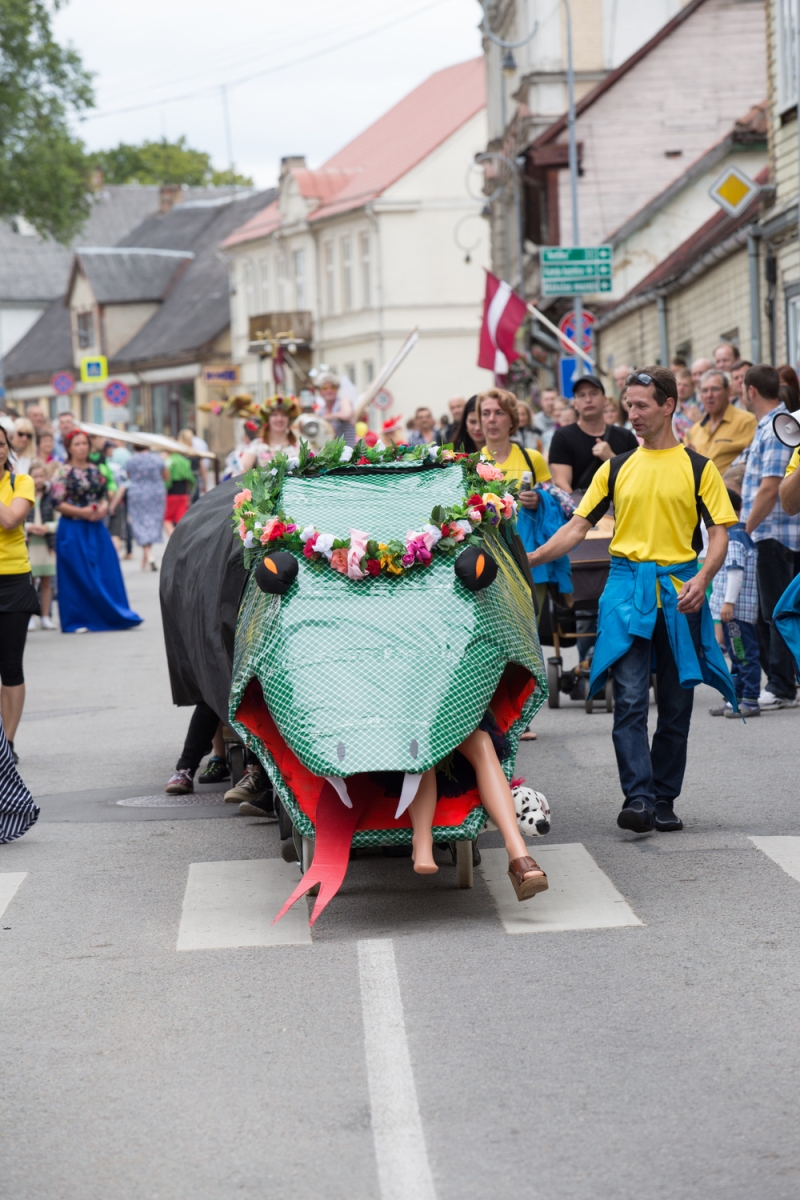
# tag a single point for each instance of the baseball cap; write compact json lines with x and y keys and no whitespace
{"x":592,"y":379}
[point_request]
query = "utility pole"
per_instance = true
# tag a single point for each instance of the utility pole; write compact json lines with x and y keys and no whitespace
{"x":226,"y":117}
{"x":573,"y":181}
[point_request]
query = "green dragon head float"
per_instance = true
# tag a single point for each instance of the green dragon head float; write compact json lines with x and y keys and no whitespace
{"x":385,"y":606}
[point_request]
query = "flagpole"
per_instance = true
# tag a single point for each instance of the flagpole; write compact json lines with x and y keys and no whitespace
{"x":567,"y":341}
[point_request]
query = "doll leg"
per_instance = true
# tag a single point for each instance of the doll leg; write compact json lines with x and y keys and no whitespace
{"x":421,"y":810}
{"x":496,"y":795}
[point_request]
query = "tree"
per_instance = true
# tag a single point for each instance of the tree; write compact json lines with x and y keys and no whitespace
{"x":163,"y":162}
{"x":43,"y":170}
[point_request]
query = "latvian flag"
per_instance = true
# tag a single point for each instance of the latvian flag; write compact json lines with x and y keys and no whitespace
{"x":503,"y":313}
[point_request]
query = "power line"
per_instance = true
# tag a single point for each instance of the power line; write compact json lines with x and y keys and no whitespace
{"x":296,"y":62}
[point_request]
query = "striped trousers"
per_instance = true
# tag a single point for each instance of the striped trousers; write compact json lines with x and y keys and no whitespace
{"x":17,"y":810}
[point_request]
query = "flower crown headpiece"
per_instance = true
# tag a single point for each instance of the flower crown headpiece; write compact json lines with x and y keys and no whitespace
{"x":277,"y":403}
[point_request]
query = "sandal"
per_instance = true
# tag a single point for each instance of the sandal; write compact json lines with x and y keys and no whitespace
{"x":525,"y":888}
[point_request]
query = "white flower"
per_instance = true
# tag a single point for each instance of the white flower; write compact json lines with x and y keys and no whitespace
{"x":293,"y":463}
{"x":324,"y":544}
{"x":346,"y":454}
{"x":274,"y":471}
{"x":306,"y":533}
{"x":434,"y":452}
{"x":464,"y":526}
{"x":435,"y":532}
{"x":379,"y":445}
{"x":249,"y":540}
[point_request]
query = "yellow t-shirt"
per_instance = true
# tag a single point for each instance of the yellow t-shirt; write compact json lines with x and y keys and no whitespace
{"x":515,"y":466}
{"x":655,"y":511}
{"x":13,"y":551}
{"x":793,"y":461}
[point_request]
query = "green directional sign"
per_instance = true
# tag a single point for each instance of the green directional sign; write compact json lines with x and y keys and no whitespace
{"x":567,"y":270}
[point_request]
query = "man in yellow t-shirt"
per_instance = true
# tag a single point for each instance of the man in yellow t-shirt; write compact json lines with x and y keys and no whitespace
{"x":725,"y":431}
{"x":655,"y":598}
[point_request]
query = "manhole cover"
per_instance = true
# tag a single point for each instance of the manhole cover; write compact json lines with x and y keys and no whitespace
{"x":165,"y":801}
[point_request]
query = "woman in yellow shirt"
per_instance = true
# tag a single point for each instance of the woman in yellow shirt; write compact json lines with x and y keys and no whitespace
{"x":499,"y":418}
{"x":18,"y":598}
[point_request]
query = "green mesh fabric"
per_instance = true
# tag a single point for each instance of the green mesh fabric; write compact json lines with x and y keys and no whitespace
{"x":389,"y":674}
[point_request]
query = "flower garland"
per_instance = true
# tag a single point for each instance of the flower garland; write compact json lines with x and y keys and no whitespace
{"x":361,"y":556}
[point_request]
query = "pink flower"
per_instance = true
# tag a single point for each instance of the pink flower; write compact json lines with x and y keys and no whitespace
{"x":474,"y":516}
{"x":242,"y":530}
{"x":308,"y":549}
{"x":408,"y":560}
{"x":339,"y":560}
{"x":507,"y":502}
{"x":242,"y":496}
{"x":489,"y":473}
{"x":358,"y":548}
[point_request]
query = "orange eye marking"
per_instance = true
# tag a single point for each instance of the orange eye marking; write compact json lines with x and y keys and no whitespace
{"x":479,"y":566}
{"x":270,"y":565}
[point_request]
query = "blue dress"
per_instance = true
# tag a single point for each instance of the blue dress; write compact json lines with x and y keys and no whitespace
{"x":91,"y":592}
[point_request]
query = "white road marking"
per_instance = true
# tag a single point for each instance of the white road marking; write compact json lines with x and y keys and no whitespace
{"x":8,"y":888}
{"x":785,"y":851}
{"x":230,"y":904}
{"x":580,"y":896}
{"x":404,"y":1172}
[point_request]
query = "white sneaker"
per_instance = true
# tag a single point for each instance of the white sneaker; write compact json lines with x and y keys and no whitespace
{"x":48,"y":623}
{"x":769,"y":701}
{"x":34,"y":623}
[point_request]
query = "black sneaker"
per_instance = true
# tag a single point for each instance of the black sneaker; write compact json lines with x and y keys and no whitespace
{"x":667,"y":821}
{"x":216,"y":771}
{"x":261,"y":806}
{"x":637,"y":816}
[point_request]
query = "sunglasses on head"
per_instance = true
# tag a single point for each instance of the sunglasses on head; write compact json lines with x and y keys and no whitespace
{"x":640,"y":377}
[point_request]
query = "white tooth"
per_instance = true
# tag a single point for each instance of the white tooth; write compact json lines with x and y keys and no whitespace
{"x":340,"y":787}
{"x":410,"y":788}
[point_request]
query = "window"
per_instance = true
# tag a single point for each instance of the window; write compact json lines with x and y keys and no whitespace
{"x":369,"y":371}
{"x":330,"y":294}
{"x":136,"y":408}
{"x":787,"y":15}
{"x":85,"y":330}
{"x":264,"y":274}
{"x":250,"y":289}
{"x":347,"y":273}
{"x":350,"y":371}
{"x":793,"y":328}
{"x":300,"y":279}
{"x":281,"y":282}
{"x":366,"y":283}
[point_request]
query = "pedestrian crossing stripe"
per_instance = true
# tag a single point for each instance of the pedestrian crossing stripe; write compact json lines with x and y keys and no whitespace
{"x":9,"y":882}
{"x":785,"y":851}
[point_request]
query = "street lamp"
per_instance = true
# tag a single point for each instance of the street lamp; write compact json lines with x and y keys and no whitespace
{"x":509,"y":64}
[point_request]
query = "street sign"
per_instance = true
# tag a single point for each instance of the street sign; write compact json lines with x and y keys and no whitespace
{"x":221,"y":376}
{"x":569,"y":270}
{"x":733,"y":190}
{"x":117,"y":393}
{"x":62,"y":383}
{"x":94,"y":369}
{"x":567,"y":327}
{"x":566,"y":373}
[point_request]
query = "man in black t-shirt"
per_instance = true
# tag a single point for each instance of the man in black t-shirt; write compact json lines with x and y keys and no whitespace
{"x":577,"y":451}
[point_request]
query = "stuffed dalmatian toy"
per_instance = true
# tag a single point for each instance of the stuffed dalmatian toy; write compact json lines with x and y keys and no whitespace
{"x":533,"y":811}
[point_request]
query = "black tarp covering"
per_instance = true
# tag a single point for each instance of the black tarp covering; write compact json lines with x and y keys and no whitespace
{"x":202,"y":580}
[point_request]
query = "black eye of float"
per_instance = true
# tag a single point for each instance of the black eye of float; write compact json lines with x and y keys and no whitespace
{"x":276,"y":573}
{"x":475,"y":568}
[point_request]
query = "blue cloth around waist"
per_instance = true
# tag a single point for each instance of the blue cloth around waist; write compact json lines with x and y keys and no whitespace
{"x":629,"y":608}
{"x":786,"y":616}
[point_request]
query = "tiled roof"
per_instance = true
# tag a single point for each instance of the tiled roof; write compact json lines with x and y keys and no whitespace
{"x":388,"y":149}
{"x":124,"y":276}
{"x":43,"y":351}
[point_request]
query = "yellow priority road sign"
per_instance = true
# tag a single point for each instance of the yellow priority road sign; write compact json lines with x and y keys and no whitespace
{"x":94,"y":369}
{"x":733,"y":190}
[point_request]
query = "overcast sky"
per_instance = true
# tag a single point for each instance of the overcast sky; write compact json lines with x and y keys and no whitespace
{"x":146,"y":52}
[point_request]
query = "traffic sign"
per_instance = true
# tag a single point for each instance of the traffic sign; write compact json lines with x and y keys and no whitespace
{"x":569,"y":270}
{"x":94,"y":369}
{"x":733,"y":190}
{"x":567,"y":327}
{"x":566,"y":372}
{"x":224,"y":375}
{"x":383,"y":400}
{"x":62,"y":383}
{"x":117,"y":393}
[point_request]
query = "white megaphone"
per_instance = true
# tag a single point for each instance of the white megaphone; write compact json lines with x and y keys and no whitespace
{"x":787,"y":429}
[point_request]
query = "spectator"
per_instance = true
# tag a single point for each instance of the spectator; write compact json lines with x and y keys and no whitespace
{"x":199,"y":465}
{"x":621,"y":374}
{"x":40,"y":530}
{"x":544,"y":421}
{"x":18,"y":599}
{"x":526,"y":435}
{"x":336,"y":407}
{"x":45,"y":450}
{"x":66,"y":425}
{"x":737,"y":381}
{"x":468,"y":437}
{"x":699,"y":368}
{"x":146,"y":494}
{"x":734,"y":603}
{"x":724,"y":432}
{"x":775,"y":533}
{"x":24,"y":445}
{"x":577,"y":451}
{"x":612,"y":411}
{"x":499,"y":418}
{"x":180,"y":485}
{"x":725,"y":356}
{"x":91,"y":593}
{"x":788,"y":377}
{"x":456,"y":407}
{"x":424,"y":431}
{"x":564,"y":414}
{"x":677,"y":364}
{"x":37,"y":417}
{"x":687,"y":413}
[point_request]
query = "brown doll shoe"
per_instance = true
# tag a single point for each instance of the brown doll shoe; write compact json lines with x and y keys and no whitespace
{"x":526,"y":888}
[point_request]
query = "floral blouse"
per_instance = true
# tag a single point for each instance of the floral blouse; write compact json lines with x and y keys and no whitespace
{"x":80,"y":486}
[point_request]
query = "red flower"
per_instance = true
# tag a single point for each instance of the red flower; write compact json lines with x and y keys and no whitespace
{"x":476,"y":501}
{"x":373,"y":566}
{"x":308,"y":549}
{"x":371,"y":438}
{"x":446,"y":530}
{"x":363,"y":461}
{"x":277,"y":531}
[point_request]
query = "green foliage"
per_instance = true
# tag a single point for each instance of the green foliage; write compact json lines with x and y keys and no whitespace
{"x":163,"y":162}
{"x":42,"y":166}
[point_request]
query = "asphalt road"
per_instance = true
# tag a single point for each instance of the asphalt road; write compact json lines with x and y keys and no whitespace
{"x":411,"y":1048}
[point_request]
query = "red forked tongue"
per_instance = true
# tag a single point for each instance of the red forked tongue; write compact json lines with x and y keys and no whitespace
{"x":335,"y":826}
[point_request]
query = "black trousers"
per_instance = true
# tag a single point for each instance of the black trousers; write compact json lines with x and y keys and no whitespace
{"x":202,"y":728}
{"x":13,"y":634}
{"x":775,"y":570}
